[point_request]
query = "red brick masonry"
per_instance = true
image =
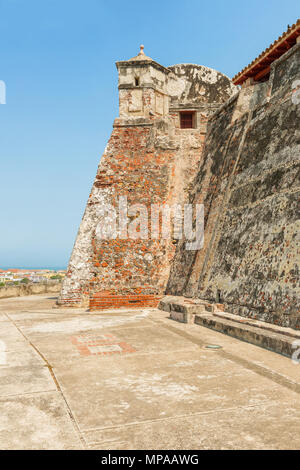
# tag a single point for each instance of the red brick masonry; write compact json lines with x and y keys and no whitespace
{"x":101,"y":301}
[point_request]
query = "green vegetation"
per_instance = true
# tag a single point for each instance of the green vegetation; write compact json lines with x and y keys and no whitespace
{"x":25,"y":281}
{"x":56,"y":276}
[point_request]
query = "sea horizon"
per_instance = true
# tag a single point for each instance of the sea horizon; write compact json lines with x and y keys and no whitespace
{"x":50,"y":268}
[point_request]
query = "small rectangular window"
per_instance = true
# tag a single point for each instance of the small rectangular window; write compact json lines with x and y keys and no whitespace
{"x":187,"y":120}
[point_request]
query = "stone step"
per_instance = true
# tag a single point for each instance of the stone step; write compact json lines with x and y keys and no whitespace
{"x":266,"y":335}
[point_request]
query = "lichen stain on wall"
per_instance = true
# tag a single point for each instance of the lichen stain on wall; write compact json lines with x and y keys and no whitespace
{"x":249,"y":183}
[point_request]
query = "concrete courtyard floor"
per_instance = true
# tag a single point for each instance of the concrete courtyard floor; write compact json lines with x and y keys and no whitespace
{"x":134,"y":379}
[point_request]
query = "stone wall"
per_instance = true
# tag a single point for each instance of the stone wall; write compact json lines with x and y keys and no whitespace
{"x":147,"y":164}
{"x":149,"y":160}
{"x":248,"y":180}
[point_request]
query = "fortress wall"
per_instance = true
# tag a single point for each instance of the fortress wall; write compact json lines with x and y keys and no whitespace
{"x":149,"y":159}
{"x":30,"y":289}
{"x":149,"y":164}
{"x":248,"y":181}
{"x":132,"y":272}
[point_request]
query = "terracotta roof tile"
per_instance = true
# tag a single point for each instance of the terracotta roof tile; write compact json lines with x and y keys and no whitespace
{"x":266,"y":58}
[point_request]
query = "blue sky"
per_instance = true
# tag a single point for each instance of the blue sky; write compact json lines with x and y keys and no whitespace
{"x":57,"y":59}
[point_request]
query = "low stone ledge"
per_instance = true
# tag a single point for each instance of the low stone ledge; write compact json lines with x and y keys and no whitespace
{"x":187,"y":306}
{"x":274,"y":341}
{"x":259,"y":324}
{"x":20,"y":290}
{"x":182,"y":317}
{"x":165,"y":303}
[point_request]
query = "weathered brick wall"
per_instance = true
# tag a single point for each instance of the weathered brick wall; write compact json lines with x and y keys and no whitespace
{"x":150,"y":160}
{"x":135,"y":268}
{"x":148,"y":164}
{"x":249,"y":183}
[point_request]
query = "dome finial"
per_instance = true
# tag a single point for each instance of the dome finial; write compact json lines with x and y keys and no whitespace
{"x":141,"y":55}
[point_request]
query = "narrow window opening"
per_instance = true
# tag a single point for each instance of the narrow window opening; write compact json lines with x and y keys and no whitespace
{"x":137,"y":81}
{"x":187,"y":120}
{"x":218,"y":296}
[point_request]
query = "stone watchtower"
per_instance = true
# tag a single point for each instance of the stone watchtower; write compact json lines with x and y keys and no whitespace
{"x":151,"y":158}
{"x":143,"y":88}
